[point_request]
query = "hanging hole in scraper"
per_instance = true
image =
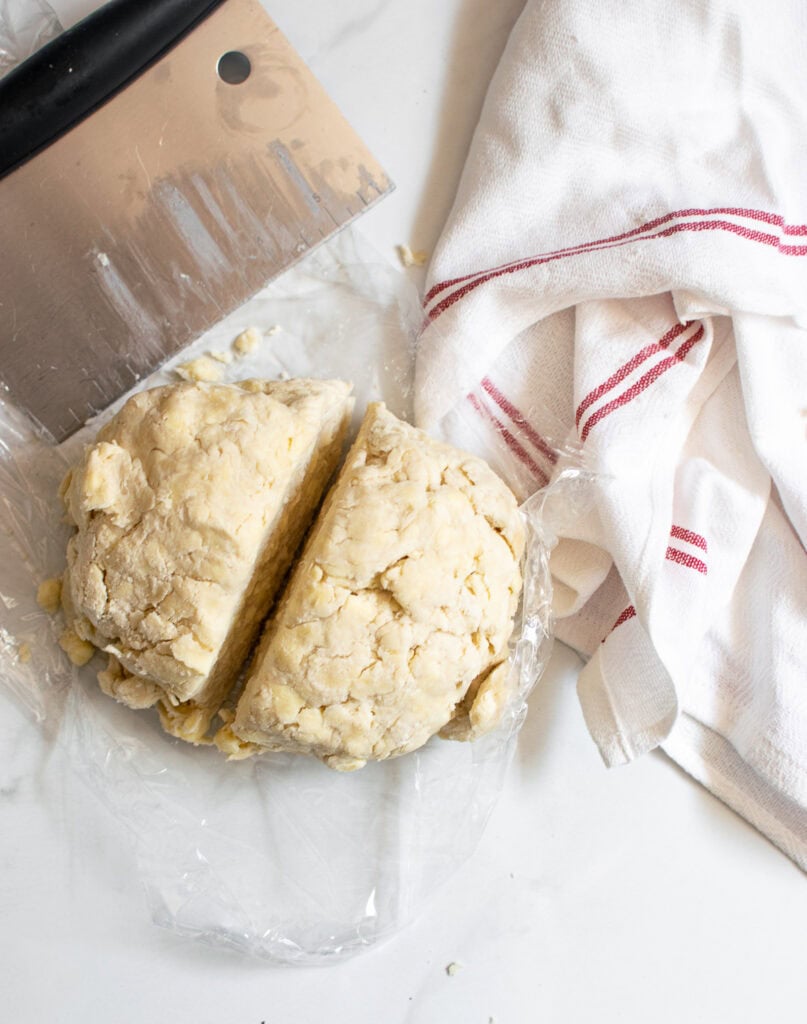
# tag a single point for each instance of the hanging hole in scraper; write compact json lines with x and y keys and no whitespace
{"x":234,"y":67}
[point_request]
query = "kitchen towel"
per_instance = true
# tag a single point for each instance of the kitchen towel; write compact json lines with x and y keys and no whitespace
{"x":624,"y":275}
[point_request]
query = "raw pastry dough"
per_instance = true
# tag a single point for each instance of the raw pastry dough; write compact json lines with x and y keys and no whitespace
{"x":189,"y":508}
{"x":401,"y":606}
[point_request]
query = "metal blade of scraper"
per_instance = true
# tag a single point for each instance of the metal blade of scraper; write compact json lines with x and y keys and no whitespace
{"x":165,"y":209}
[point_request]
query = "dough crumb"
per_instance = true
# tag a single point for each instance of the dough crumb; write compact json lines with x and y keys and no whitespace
{"x":77,"y":650}
{"x":102,"y":258}
{"x":228,"y":743}
{"x":24,"y":653}
{"x":274,"y":329}
{"x":186,"y":721}
{"x":452,"y":968}
{"x":127,"y":688}
{"x":344,"y":762}
{"x":282,"y":375}
{"x":49,"y":595}
{"x":222,"y":357}
{"x":202,"y":369}
{"x":247,"y":341}
{"x":412,"y":257}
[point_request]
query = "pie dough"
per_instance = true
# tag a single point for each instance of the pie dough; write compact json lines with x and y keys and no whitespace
{"x":396,"y":621}
{"x":188,"y":509}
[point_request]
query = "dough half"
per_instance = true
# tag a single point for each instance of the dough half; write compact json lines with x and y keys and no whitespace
{"x":189,"y":508}
{"x":400,"y":608}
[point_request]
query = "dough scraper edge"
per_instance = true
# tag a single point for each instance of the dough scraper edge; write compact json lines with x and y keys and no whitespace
{"x":160,"y":162}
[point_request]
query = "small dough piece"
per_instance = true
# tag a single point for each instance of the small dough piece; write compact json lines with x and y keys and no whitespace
{"x":412,"y":257}
{"x":203,"y":368}
{"x":229,"y":744}
{"x":133,"y":691}
{"x":189,"y":721}
{"x":247,"y":341}
{"x":188,"y":509}
{"x":402,"y":604}
{"x":483,"y":706}
{"x":79,"y":651}
{"x":221,"y":357}
{"x":49,"y":595}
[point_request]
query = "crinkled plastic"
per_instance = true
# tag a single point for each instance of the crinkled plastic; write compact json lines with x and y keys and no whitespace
{"x":277,"y":856}
{"x":25,"y":25}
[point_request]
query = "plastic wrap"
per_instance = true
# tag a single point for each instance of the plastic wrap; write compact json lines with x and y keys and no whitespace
{"x":277,"y":856}
{"x":25,"y":25}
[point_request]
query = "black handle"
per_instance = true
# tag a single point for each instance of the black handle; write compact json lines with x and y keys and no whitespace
{"x":68,"y":78}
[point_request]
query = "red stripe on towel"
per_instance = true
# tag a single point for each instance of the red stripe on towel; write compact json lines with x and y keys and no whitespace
{"x":628,"y":613}
{"x":690,"y":561}
{"x":642,"y":383}
{"x":680,"y":533}
{"x":512,"y":443}
{"x":519,"y":419}
{"x":748,"y":234}
{"x":758,"y":215}
{"x":628,"y":368}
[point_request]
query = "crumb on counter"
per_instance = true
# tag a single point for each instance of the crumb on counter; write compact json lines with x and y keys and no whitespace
{"x":49,"y":595}
{"x":222,"y":357}
{"x":412,"y":257}
{"x":274,"y":329}
{"x":24,"y":653}
{"x":452,"y":968}
{"x":247,"y":341}
{"x":282,"y":375}
{"x":77,"y":650}
{"x":202,"y":369}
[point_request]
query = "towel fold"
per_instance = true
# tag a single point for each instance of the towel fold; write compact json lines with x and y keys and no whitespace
{"x":625,"y":272}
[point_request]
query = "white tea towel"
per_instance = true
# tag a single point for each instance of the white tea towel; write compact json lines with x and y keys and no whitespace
{"x":625,"y":270}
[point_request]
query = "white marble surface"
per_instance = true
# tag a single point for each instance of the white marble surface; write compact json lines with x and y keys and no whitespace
{"x":626,"y":896}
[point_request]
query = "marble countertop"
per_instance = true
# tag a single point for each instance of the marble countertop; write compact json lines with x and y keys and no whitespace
{"x":627,"y":896}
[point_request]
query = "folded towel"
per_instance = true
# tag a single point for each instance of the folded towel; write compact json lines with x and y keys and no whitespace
{"x":625,"y":271}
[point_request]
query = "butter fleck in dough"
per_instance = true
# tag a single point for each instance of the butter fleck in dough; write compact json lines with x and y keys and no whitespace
{"x":188,"y":509}
{"x":397,"y":618}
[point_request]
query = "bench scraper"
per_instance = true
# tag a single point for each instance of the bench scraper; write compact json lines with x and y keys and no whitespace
{"x":160,"y":162}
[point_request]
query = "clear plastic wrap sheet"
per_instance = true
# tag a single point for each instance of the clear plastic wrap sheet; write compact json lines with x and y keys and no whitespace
{"x":25,"y":25}
{"x":276,"y":856}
